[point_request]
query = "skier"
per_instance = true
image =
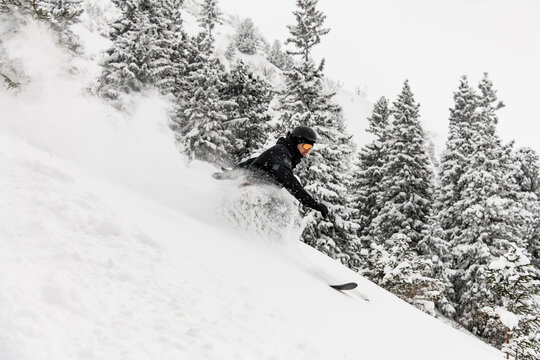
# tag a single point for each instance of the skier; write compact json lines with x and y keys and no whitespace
{"x":275,"y":166}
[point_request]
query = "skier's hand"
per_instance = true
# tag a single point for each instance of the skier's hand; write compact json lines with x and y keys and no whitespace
{"x":323,"y":209}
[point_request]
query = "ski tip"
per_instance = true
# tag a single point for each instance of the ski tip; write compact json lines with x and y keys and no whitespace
{"x":346,"y":286}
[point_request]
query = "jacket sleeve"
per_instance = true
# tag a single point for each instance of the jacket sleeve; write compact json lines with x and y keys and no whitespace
{"x":284,"y":174}
{"x":244,"y":165}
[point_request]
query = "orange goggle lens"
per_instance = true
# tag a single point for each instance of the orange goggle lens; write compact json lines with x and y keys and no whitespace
{"x":307,"y":146}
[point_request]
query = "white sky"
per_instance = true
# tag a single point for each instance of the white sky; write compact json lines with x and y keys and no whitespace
{"x":380,"y":43}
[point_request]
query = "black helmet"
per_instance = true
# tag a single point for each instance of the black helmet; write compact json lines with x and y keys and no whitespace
{"x":303,"y":134}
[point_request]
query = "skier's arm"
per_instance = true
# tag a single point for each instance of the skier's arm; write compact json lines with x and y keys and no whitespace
{"x":285,"y":176}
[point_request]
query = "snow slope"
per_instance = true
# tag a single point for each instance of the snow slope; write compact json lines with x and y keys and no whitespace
{"x":112,"y":248}
{"x":93,"y":270}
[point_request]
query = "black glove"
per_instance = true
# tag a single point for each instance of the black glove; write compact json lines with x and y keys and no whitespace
{"x":323,"y":209}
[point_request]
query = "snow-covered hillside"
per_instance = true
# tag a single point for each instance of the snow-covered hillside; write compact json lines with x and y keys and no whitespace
{"x":93,"y":268}
{"x":112,"y":248}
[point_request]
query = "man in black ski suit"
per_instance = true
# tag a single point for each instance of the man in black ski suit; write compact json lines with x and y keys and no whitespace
{"x":275,"y":165}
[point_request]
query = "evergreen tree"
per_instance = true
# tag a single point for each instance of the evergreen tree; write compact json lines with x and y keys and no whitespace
{"x":394,"y":200}
{"x":407,"y":177}
{"x":435,"y":250}
{"x":455,"y":161}
{"x":209,"y":17}
{"x":393,"y":266}
{"x":527,"y":177}
{"x":121,"y":68}
{"x":529,"y":165}
{"x":307,"y":31}
{"x":203,"y":134}
{"x":246,"y":40}
{"x":168,"y":56}
{"x":515,"y":282}
{"x":200,"y":119}
{"x":63,"y":13}
{"x":456,"y":158}
{"x":394,"y":187}
{"x":282,"y":60}
{"x":372,"y":157}
{"x":248,"y":119}
{"x":125,"y":23}
{"x":59,"y":14}
{"x":23,"y":7}
{"x":125,"y":68}
{"x":492,"y":218}
{"x":301,"y":96}
{"x":230,"y":52}
{"x":149,"y":50}
{"x":326,"y":169}
{"x":276,"y":55}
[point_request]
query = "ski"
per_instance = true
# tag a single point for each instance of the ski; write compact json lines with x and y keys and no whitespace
{"x":350,"y":286}
{"x":346,"y":286}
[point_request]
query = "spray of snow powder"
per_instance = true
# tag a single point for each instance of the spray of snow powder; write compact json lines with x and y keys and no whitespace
{"x":133,"y":148}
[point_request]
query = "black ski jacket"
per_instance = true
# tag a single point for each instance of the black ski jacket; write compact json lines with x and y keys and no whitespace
{"x":275,"y":166}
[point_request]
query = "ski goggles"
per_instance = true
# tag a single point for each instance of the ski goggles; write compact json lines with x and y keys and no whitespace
{"x":307,"y":146}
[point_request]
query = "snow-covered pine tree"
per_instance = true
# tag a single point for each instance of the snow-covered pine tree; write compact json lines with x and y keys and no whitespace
{"x":63,"y":13}
{"x":205,"y":136}
{"x":246,"y":39}
{"x":125,"y":22}
{"x":327,"y":173}
{"x":149,"y":50}
{"x":327,"y":168}
{"x":529,"y":164}
{"x":455,"y":160}
{"x":368,"y":193}
{"x":289,"y":62}
{"x":196,"y":60}
{"x":303,"y":93}
{"x":168,"y":60}
{"x":516,"y":313}
{"x":125,"y":69}
{"x":230,"y":52}
{"x":248,"y":119}
{"x":407,"y":176}
{"x":527,"y":177}
{"x":276,"y":55}
{"x":210,"y":16}
{"x":396,"y":185}
{"x":11,"y":73}
{"x":470,"y":243}
{"x":401,"y":271}
{"x":492,"y":219}
{"x":435,"y":251}
{"x":23,"y":7}
{"x":199,"y":123}
{"x":307,"y":31}
{"x":59,"y":14}
{"x":281,"y":59}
